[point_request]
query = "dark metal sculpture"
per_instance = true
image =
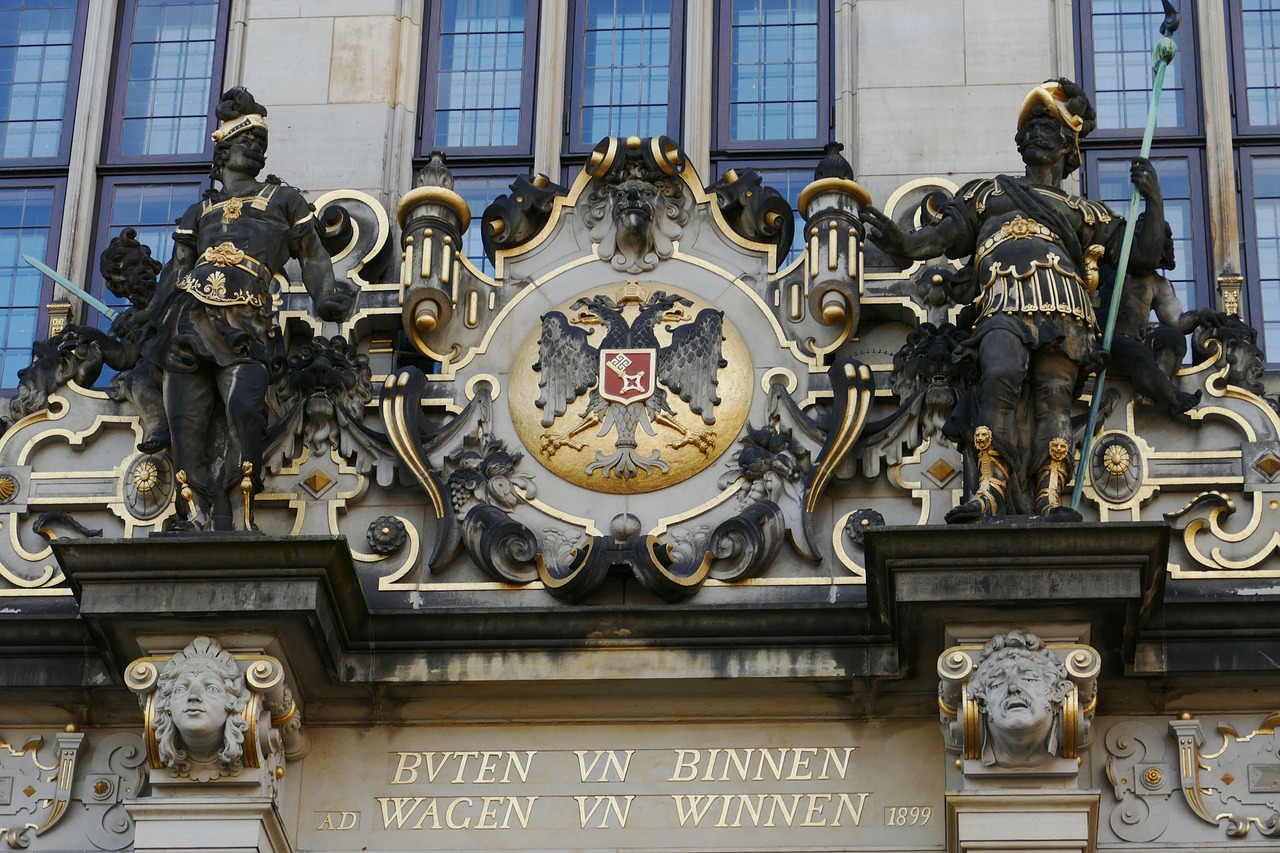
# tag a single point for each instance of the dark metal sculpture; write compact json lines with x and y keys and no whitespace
{"x":215,"y":334}
{"x":1150,"y":354}
{"x":1034,"y":251}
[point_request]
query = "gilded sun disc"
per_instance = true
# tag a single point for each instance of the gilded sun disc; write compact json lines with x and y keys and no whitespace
{"x":627,"y":390}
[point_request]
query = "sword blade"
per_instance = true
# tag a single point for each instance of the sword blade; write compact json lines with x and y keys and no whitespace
{"x":109,"y":313}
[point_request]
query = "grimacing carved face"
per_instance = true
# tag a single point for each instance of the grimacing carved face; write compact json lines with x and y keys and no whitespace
{"x":1020,"y":692}
{"x":199,"y":706}
{"x":1017,"y":696}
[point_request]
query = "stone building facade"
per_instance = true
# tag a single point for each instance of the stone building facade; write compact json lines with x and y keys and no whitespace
{"x":612,"y":515}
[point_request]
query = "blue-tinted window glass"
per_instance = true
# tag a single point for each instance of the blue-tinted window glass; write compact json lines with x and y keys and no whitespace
{"x":1115,"y":188}
{"x":1124,"y":35}
{"x":479,"y":91}
{"x":479,"y":192}
{"x":1260,"y":27}
{"x":26,"y":215}
{"x":773,"y":89}
{"x":1266,"y":213}
{"x":37,"y":38}
{"x":150,"y":209}
{"x":626,"y":70}
{"x":170,"y":63}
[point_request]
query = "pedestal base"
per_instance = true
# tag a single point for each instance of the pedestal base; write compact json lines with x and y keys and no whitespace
{"x":1017,"y":822}
{"x":208,"y":824}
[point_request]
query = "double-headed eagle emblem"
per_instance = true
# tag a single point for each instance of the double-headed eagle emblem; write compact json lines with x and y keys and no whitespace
{"x":628,"y":374}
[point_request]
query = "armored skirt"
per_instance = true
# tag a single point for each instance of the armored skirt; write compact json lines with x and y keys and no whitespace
{"x":221,"y":312}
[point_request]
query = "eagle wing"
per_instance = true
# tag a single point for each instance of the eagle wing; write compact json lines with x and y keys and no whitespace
{"x":567,"y":364}
{"x":690,"y":366}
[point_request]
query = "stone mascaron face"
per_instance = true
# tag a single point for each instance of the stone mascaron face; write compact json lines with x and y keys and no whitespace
{"x":199,"y":707}
{"x":1020,"y":689}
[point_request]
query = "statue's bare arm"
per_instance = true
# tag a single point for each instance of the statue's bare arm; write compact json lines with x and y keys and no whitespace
{"x":333,"y":299}
{"x":929,"y":241}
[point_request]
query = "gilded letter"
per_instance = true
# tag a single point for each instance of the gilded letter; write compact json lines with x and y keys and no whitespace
{"x":523,"y":770}
{"x":856,"y":813}
{"x":841,"y":765}
{"x":401,"y":813}
{"x":797,"y":764}
{"x":348,"y":821}
{"x":777,"y":804}
{"x":815,"y":810}
{"x":767,"y":754}
{"x":485,"y":804}
{"x":741,"y":765}
{"x":405,"y":767}
{"x":432,"y":769}
{"x":327,"y":823}
{"x":610,"y":760}
{"x":431,"y":811}
{"x":462,"y":764}
{"x":488,"y":765}
{"x":687,"y":806}
{"x":686,"y":759}
{"x":513,"y":804}
{"x":610,"y":805}
{"x":711,"y":765}
{"x":448,"y":815}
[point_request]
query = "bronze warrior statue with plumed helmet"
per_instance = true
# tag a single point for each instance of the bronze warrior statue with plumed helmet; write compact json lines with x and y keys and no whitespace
{"x":214,"y":330}
{"x":1034,"y":251}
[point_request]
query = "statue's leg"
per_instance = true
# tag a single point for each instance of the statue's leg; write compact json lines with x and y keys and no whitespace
{"x":1144,"y":364}
{"x":189,"y":403}
{"x":1003,"y":360}
{"x":1169,"y":347}
{"x":1053,"y":377}
{"x":144,"y":384}
{"x":244,"y":391}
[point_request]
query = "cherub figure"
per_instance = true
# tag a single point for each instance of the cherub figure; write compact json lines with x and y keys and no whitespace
{"x":1149,"y":354}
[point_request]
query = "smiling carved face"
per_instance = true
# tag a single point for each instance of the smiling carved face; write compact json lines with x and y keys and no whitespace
{"x":199,"y":707}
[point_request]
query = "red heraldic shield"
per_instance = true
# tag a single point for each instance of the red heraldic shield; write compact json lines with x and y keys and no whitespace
{"x":627,"y":375}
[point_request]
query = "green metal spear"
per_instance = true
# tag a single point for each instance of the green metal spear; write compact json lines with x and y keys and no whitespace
{"x":1163,"y":54}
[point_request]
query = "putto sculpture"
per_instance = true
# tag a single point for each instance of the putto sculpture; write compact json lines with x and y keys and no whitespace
{"x":215,"y":333}
{"x":1151,"y":353}
{"x":1034,"y":253}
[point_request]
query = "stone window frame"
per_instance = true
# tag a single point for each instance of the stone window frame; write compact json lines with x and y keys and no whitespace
{"x":1192,"y":270}
{"x":51,"y":173}
{"x":60,"y":160}
{"x":517,"y":157}
{"x":117,"y":169}
{"x":1188,"y":71}
{"x":1185,"y":142}
{"x":1253,"y":287}
{"x":574,"y":151}
{"x":57,"y":185}
{"x":111,"y":153}
{"x":723,"y":146}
